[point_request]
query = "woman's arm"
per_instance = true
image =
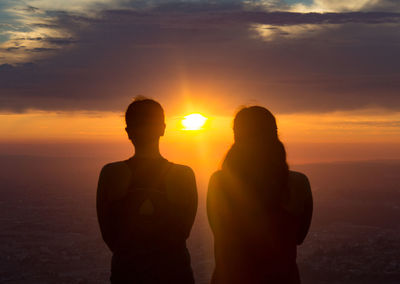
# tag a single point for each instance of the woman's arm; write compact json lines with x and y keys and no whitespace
{"x":182,"y":193}
{"x":215,"y":204}
{"x":114,"y":179}
{"x":191,"y":199}
{"x":305,"y":219}
{"x":103,"y":207}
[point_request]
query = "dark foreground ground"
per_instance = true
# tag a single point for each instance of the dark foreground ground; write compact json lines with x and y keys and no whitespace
{"x":49,"y":230}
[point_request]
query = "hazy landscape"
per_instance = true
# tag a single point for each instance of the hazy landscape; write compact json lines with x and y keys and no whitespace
{"x":50,"y":234}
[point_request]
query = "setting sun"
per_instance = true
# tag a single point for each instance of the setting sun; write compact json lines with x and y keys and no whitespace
{"x":194,"y":121}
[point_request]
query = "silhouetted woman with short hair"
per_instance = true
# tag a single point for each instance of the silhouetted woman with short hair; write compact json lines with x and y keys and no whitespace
{"x":146,"y":206}
{"x":258,"y":210}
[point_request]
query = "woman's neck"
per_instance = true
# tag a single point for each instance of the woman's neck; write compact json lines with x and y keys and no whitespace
{"x":149,"y":151}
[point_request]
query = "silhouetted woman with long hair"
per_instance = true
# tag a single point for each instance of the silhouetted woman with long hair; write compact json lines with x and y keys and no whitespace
{"x":258,"y":210}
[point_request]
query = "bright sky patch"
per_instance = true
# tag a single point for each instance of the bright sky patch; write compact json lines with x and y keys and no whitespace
{"x":194,"y":121}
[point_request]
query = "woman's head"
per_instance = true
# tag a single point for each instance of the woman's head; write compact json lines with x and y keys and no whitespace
{"x":258,"y":157}
{"x":144,"y":121}
{"x":254,"y":125}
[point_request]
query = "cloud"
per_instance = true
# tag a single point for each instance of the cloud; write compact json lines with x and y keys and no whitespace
{"x":323,"y":6}
{"x":384,"y":5}
{"x":29,"y":30}
{"x":209,"y":53}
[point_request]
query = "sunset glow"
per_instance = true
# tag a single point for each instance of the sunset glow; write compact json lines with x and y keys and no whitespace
{"x":194,"y":121}
{"x":316,"y":137}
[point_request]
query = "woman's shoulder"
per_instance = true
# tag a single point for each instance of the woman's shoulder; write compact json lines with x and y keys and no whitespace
{"x":115,"y":165}
{"x":298,"y":175}
{"x":115,"y":170}
{"x":299,"y":184}
{"x":217,"y":178}
{"x":178,"y":169}
{"x":298,"y":178}
{"x":216,"y":175}
{"x":214,"y":182}
{"x":179,"y":176}
{"x":114,"y":179}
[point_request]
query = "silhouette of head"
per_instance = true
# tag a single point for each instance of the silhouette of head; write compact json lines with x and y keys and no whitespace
{"x":254,"y":125}
{"x":258,"y":157}
{"x":144,"y":121}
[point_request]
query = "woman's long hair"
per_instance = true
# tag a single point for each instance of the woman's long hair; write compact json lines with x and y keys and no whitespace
{"x":258,"y":157}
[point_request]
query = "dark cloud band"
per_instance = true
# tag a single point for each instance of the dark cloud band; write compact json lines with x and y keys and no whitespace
{"x":288,"y":61}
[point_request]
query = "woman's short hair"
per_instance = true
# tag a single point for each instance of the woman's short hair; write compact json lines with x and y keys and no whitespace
{"x":143,"y":111}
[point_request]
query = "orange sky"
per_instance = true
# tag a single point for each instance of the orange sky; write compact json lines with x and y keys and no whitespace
{"x":196,"y":58}
{"x":335,"y":136}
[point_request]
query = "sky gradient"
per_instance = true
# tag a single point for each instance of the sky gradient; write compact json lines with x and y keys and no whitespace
{"x":329,"y":70}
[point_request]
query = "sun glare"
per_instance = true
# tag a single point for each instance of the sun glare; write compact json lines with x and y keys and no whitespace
{"x":194,"y":121}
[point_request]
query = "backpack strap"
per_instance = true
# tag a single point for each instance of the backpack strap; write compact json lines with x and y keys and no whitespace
{"x":162,"y":176}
